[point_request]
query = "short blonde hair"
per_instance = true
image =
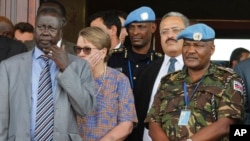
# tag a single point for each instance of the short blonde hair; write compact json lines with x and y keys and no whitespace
{"x":98,"y":37}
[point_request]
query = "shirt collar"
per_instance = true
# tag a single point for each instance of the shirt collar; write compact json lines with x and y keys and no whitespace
{"x":178,"y":58}
{"x":59,"y":43}
{"x":211,"y":71}
{"x":117,"y":46}
{"x":37,"y":52}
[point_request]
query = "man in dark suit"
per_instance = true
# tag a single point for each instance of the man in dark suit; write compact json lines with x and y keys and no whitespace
{"x":171,"y":24}
{"x":243,"y":69}
{"x":6,"y":27}
{"x":109,"y":21}
{"x":8,"y":46}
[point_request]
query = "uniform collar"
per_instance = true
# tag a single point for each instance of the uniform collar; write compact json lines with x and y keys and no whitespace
{"x":211,"y":71}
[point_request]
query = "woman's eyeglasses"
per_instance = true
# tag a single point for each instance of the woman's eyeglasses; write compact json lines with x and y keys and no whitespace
{"x":86,"y":50}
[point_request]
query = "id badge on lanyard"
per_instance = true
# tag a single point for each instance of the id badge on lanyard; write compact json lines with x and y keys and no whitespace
{"x":184,"y":117}
{"x":186,"y":113}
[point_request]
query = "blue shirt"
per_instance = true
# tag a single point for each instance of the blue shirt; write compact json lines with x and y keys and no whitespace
{"x":37,"y":64}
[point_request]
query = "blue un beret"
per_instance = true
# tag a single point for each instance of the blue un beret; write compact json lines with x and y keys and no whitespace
{"x":142,"y":14}
{"x":197,"y":32}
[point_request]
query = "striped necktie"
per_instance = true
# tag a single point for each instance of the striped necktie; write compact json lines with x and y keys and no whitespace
{"x":171,"y":66}
{"x":45,"y":108}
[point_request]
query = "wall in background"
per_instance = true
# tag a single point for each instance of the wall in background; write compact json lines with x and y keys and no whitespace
{"x":193,"y":9}
{"x":229,"y":18}
{"x":19,"y":10}
{"x":75,"y":18}
{"x":75,"y":10}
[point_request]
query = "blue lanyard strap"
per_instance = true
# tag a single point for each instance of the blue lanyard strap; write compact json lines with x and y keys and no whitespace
{"x":186,"y":93}
{"x":130,"y":75}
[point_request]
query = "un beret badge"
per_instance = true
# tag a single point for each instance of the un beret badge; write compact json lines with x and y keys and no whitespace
{"x":197,"y":36}
{"x":144,"y":16}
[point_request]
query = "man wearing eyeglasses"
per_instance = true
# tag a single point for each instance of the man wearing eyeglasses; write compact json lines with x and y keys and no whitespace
{"x":171,"y":24}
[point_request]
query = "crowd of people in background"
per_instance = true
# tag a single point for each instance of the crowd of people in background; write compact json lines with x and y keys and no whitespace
{"x":101,"y":89}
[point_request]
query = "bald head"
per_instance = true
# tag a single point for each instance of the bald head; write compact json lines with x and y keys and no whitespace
{"x":6,"y":27}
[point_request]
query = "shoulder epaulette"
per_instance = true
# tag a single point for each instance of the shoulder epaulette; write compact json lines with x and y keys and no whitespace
{"x":117,"y":50}
{"x":172,"y":75}
{"x":230,"y":70}
{"x":154,"y":55}
{"x":158,"y":54}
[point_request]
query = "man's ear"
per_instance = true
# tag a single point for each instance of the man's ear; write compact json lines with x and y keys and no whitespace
{"x":212,"y":49}
{"x":64,"y":22}
{"x":113,"y":30}
{"x":153,"y":27}
{"x":234,"y":62}
{"x":61,"y":31}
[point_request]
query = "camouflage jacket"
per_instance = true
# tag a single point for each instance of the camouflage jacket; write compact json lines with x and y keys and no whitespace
{"x":219,"y":94}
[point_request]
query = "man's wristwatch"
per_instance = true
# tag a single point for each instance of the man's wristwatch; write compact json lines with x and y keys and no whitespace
{"x":189,"y":140}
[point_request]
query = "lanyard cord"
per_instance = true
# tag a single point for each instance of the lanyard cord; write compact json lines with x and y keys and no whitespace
{"x":130,"y":75}
{"x":186,"y":93}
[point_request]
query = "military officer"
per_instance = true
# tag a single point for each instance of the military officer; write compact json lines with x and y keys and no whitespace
{"x":141,"y":27}
{"x":193,"y":103}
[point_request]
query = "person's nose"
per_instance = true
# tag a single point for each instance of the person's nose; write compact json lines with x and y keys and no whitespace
{"x":171,"y":35}
{"x":45,"y":31}
{"x":191,"y":49}
{"x":81,"y":54}
{"x":135,"y":31}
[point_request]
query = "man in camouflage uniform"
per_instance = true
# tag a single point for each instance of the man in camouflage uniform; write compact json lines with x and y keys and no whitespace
{"x":192,"y":104}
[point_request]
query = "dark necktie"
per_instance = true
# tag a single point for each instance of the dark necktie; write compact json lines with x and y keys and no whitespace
{"x":45,"y":108}
{"x":171,"y":66}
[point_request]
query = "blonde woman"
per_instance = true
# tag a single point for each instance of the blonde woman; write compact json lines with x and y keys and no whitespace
{"x":114,"y":114}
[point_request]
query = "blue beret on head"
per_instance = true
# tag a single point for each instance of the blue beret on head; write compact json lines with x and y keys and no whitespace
{"x":142,"y":14}
{"x":197,"y":32}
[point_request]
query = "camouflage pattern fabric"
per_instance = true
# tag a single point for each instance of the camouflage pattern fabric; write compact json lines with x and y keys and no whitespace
{"x":220,"y":94}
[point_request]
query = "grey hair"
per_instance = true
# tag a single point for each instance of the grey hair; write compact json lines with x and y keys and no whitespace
{"x":177,"y":14}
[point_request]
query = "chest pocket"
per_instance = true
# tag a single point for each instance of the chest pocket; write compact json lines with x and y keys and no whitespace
{"x":206,"y":100}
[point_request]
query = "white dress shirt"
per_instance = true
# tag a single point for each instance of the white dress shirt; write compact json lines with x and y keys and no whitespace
{"x":118,"y":46}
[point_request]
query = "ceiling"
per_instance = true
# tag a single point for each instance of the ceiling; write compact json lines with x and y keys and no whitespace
{"x":230,"y":18}
{"x":193,"y":9}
